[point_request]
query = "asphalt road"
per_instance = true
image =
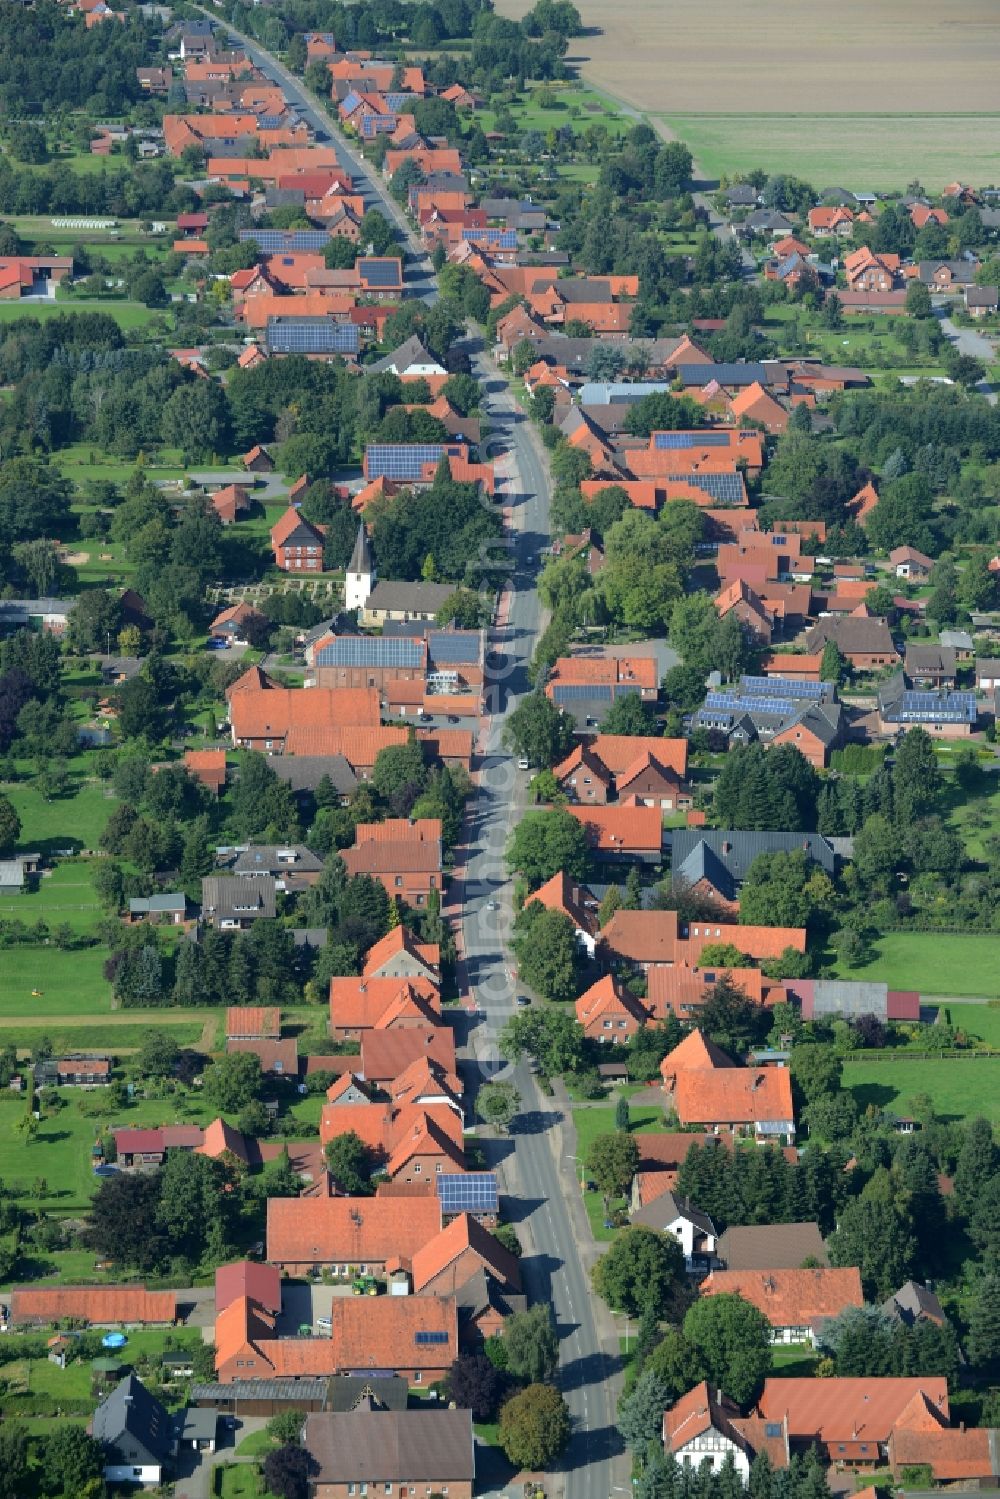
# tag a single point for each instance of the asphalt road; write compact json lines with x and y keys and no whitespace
{"x":534,"y":1172}
{"x":967,"y":341}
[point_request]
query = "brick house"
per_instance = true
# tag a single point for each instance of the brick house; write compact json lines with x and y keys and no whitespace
{"x":297,"y":544}
{"x":362,"y":1004}
{"x":415,"y":1336}
{"x":386,"y":1054}
{"x":405,"y":1453}
{"x":609,"y":1013}
{"x":462,"y":1250}
{"x":706,"y":1088}
{"x":399,"y":955}
{"x":740,"y":599}
{"x":866,"y":643}
{"x":622,"y":832}
{"x":795,"y":1302}
{"x":347,"y":1235}
{"x":404,"y":856}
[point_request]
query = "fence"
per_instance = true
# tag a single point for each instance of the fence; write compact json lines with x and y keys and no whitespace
{"x":904,"y":1054}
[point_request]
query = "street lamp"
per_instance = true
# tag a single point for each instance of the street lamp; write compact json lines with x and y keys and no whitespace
{"x":579,"y":1162}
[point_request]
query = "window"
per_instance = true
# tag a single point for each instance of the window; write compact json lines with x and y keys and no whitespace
{"x":398,"y":881}
{"x":136,"y":1472}
{"x":352,"y":1488}
{"x":416,"y":1169}
{"x":418,"y":1379}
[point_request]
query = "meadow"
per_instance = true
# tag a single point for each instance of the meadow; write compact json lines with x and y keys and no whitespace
{"x":957,"y":1088}
{"x":128,"y":315}
{"x":934,"y":963}
{"x":589,"y":1122}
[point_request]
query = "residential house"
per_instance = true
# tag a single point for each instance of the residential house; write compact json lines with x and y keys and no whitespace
{"x":869,"y":272}
{"x":400,"y":955}
{"x":982,"y":301}
{"x":289,"y":720}
{"x":293,"y":867}
{"x":386,"y":1054}
{"x":208,"y":767}
{"x":362,"y":1004}
{"x":347,"y":1235}
{"x":865,"y":643}
{"x":716,"y":861}
{"x":961,"y":642}
{"x":303,"y":774}
{"x":824,"y":222}
{"x":405,"y":601}
{"x":647,"y":939}
{"x":166,"y":909}
{"x":253,"y":1023}
{"x":683,"y":991}
{"x":740,"y":599}
{"x":622,"y":833}
{"x":230,"y":625}
{"x":413,"y":1336}
{"x":909,"y":563}
{"x":138,"y":1148}
{"x":795,"y":1302}
{"x":234,"y":903}
{"x":771,"y":1246}
{"x":405,"y":856}
{"x":461,"y":1250}
{"x":561,"y":893}
{"x":704,"y":1427}
{"x":914,"y":1303}
{"x":942,"y":712}
{"x":136,"y":1432}
{"x":987,"y":674}
{"x":76,"y":1070}
{"x":297,"y":544}
{"x":929,"y":666}
{"x":850,"y":1420}
{"x":947,"y":275}
{"x":610,"y":1013}
{"x":407,"y":1452}
{"x":693,"y":1230}
{"x":706,"y":1088}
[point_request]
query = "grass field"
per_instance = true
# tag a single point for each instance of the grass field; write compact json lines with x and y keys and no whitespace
{"x":128,"y":315}
{"x":982,"y":1021}
{"x":77,"y":820}
{"x":934,"y":963}
{"x":957,"y":1088}
{"x":105,"y":1035}
{"x":64,"y":894}
{"x":69,"y":983}
{"x":827,"y":148}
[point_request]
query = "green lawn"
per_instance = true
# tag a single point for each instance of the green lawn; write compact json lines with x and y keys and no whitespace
{"x":935,"y":148}
{"x":128,"y":315}
{"x":956,"y":1087}
{"x":255,"y":1445}
{"x":67,"y":821}
{"x":934,"y":963}
{"x":238,"y":1481}
{"x":67,"y":983}
{"x":121,"y":1039}
{"x":589,"y":1123}
{"x":981,"y":1021}
{"x":793,"y":1361}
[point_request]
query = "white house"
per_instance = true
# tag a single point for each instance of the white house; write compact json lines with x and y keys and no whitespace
{"x":693,"y":1230}
{"x":136,"y":1432}
{"x":701,"y":1426}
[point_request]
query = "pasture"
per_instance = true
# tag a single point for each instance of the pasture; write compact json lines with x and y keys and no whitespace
{"x":958,"y":1088}
{"x":934,"y":963}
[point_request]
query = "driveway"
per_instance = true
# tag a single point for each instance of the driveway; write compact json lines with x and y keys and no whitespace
{"x":194,"y":1469}
{"x":968,"y":341}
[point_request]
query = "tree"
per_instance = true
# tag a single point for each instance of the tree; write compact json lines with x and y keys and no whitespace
{"x":629,"y":715}
{"x":13,"y":1459}
{"x":640,"y":1414}
{"x":916,"y":778}
{"x":232,"y":1081}
{"x":534,"y":1426}
{"x":286,"y":1472}
{"x":539,"y":730}
{"x":286,"y":1427}
{"x":876,"y":1232}
{"x":732,"y":1020}
{"x":677,"y":1364}
{"x":464,"y":608}
{"x":498,"y":1104}
{"x":349,"y":1164}
{"x":553,"y":1037}
{"x":776,"y":890}
{"x":476,"y":1384}
{"x":918,"y":300}
{"x":73,"y":1461}
{"x":10,"y":825}
{"x":531,"y":1344}
{"x":833,"y":666}
{"x":398,"y":769}
{"x":977,"y":1162}
{"x":623,"y":1117}
{"x":158,"y":1054}
{"x":816,"y":1070}
{"x":543,"y":843}
{"x":548,"y":954}
{"x":640,"y":1271}
{"x":612,"y":1161}
{"x":983,"y":1344}
{"x":734,"y":1340}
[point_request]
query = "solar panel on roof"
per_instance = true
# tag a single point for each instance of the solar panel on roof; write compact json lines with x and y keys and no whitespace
{"x":445,"y":646}
{"x":370,"y":650}
{"x":664,"y":441}
{"x":311,"y":336}
{"x":471,"y":1193}
{"x":497,"y":239}
{"x":728,"y":489}
{"x":402,"y":460}
{"x":399,"y":101}
{"x":430,"y":1335}
{"x":578,"y":691}
{"x":278,"y":241}
{"x":784,"y":687}
{"x":379,"y":272}
{"x":747,"y":703}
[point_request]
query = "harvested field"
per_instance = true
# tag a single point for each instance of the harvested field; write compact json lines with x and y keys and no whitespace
{"x":688,"y":66}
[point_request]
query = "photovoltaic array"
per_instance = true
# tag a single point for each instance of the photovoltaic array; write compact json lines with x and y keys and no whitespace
{"x":280,"y":241}
{"x":475,"y":1192}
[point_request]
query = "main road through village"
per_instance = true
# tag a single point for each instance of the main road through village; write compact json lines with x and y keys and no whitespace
{"x":538,"y":1174}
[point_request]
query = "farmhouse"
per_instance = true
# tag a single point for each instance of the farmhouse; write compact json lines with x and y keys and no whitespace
{"x":795,"y":1302}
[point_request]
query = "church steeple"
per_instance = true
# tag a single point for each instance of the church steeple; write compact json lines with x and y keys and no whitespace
{"x":361,"y":574}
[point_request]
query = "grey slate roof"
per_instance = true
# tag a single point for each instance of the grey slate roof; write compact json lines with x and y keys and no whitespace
{"x":850,"y":998}
{"x":736,"y":850}
{"x":410,"y":351}
{"x":294,"y":1391}
{"x":389,"y":1391}
{"x":304,"y":772}
{"x":229,"y":897}
{"x":266,"y":858}
{"x":150,"y":905}
{"x":387,"y":1446}
{"x":771,"y":1246}
{"x":667,"y":1208}
{"x":134,"y":1424}
{"x":958,"y":640}
{"x":914,"y":1303}
{"x":702,"y":863}
{"x":361,"y":557}
{"x":963,"y":271}
{"x":411,"y":598}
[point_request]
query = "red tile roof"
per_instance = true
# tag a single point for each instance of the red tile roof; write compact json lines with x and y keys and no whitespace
{"x":262,"y":1283}
{"x":620,"y":828}
{"x":93,"y":1304}
{"x":348,"y":1230}
{"x":608,"y":997}
{"x":382,"y":1334}
{"x":790,"y":1298}
{"x":439,"y":1261}
{"x":386,"y":1054}
{"x":278,"y":710}
{"x":253,"y":1020}
{"x":844,"y":1410}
